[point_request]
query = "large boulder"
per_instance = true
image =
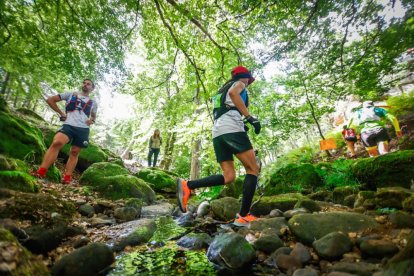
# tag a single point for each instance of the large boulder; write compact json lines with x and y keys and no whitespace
{"x":16,"y":260}
{"x":34,"y":207}
{"x":88,"y":260}
{"x":389,"y":170}
{"x":19,"y":139}
{"x":231,"y":250}
{"x":311,"y":227}
{"x":113,"y":181}
{"x":141,"y":234}
{"x":282,"y":202}
{"x":225,"y":208}
{"x":285,"y":179}
{"x":159,"y":180}
{"x":391,"y":197}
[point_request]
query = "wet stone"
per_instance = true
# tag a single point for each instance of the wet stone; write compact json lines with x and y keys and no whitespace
{"x":126,"y":213}
{"x":378,"y":248}
{"x":268,"y":243}
{"x":402,"y":220}
{"x":305,"y":272}
{"x":86,"y":210}
{"x":301,"y":253}
{"x":290,"y":213}
{"x":195,"y":241}
{"x":287,"y":263}
{"x":333,"y":245}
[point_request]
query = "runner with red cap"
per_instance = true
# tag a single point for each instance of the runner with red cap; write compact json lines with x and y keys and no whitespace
{"x":230,"y":138}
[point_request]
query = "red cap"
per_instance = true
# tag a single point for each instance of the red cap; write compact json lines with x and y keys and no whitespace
{"x":242,"y":72}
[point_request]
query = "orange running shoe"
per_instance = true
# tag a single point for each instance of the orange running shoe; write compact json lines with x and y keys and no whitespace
{"x":244,"y":221}
{"x":183,"y":194}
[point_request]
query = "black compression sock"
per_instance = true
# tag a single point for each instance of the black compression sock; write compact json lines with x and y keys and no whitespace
{"x":249,"y":186}
{"x":209,"y":181}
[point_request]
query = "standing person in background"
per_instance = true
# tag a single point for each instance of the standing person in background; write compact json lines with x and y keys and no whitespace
{"x":373,"y":132}
{"x":230,"y":138}
{"x":79,"y":116}
{"x":349,"y":136}
{"x":155,"y":143}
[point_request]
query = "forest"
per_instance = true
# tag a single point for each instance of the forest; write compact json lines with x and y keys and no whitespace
{"x":156,"y":65}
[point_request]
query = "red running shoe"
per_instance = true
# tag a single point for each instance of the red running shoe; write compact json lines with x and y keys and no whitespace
{"x":183,"y":194}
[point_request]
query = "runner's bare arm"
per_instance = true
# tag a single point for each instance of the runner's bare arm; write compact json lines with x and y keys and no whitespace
{"x":234,"y":93}
{"x":51,"y":101}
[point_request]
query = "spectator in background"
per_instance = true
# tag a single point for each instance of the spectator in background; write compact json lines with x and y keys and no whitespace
{"x":155,"y":142}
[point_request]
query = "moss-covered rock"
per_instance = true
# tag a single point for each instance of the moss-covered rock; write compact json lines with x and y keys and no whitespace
{"x":30,"y":114}
{"x":321,"y":196}
{"x":362,"y":196}
{"x":234,"y":189}
{"x":88,"y":156}
{"x":6,"y":164}
{"x":389,"y":170}
{"x":340,"y":193}
{"x":34,"y":207}
{"x":308,"y":204}
{"x":19,"y":261}
{"x":19,"y":181}
{"x":112,"y":181}
{"x":391,"y":197}
{"x":408,"y":204}
{"x":311,"y":227}
{"x":403,"y":262}
{"x":159,"y":180}
{"x":225,"y":208}
{"x":282,"y":202}
{"x":19,"y":139}
{"x":292,"y":178}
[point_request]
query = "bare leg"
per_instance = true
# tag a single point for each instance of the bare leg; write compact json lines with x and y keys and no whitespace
{"x":372,"y":151}
{"x":73,"y":160}
{"x":51,"y":155}
{"x":351,"y":147}
{"x":229,"y":172}
{"x":248,"y":160}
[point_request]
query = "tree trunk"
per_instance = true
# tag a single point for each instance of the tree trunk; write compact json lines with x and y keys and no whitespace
{"x":16,"y":98}
{"x":168,"y":151}
{"x":195,"y":162}
{"x":5,"y":83}
{"x":126,"y":154}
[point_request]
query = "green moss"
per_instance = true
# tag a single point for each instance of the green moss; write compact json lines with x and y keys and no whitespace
{"x":30,"y":114}
{"x":283,"y":202}
{"x":308,"y":204}
{"x":158,"y":179}
{"x":53,"y":174}
{"x":292,"y":178}
{"x":6,"y":164}
{"x":99,"y":170}
{"x":20,"y":140}
{"x":167,"y":228}
{"x":336,"y":174}
{"x":19,"y":181}
{"x":393,"y":169}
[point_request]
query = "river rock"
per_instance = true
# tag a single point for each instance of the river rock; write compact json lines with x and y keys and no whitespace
{"x":86,"y":210}
{"x":305,"y":272}
{"x":268,"y":243}
{"x":402,"y":220}
{"x":378,"y":249}
{"x":225,"y":208}
{"x":290,"y":213}
{"x":230,"y":250}
{"x":391,"y":197}
{"x":126,"y":213}
{"x":303,"y":225}
{"x":278,"y":224}
{"x":332,"y":246}
{"x":195,"y":241}
{"x":287,"y":263}
{"x":275,"y":213}
{"x":283,"y":202}
{"x":301,"y":253}
{"x":403,"y":262}
{"x":142,"y":234}
{"x":157,"y":210}
{"x":203,"y":209}
{"x":308,"y":204}
{"x":42,"y":240}
{"x":359,"y":268}
{"x":186,"y":220}
{"x":88,"y":260}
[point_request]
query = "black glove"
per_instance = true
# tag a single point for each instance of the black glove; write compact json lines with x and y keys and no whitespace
{"x":255,"y":123}
{"x":62,"y":118}
{"x":246,"y":128}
